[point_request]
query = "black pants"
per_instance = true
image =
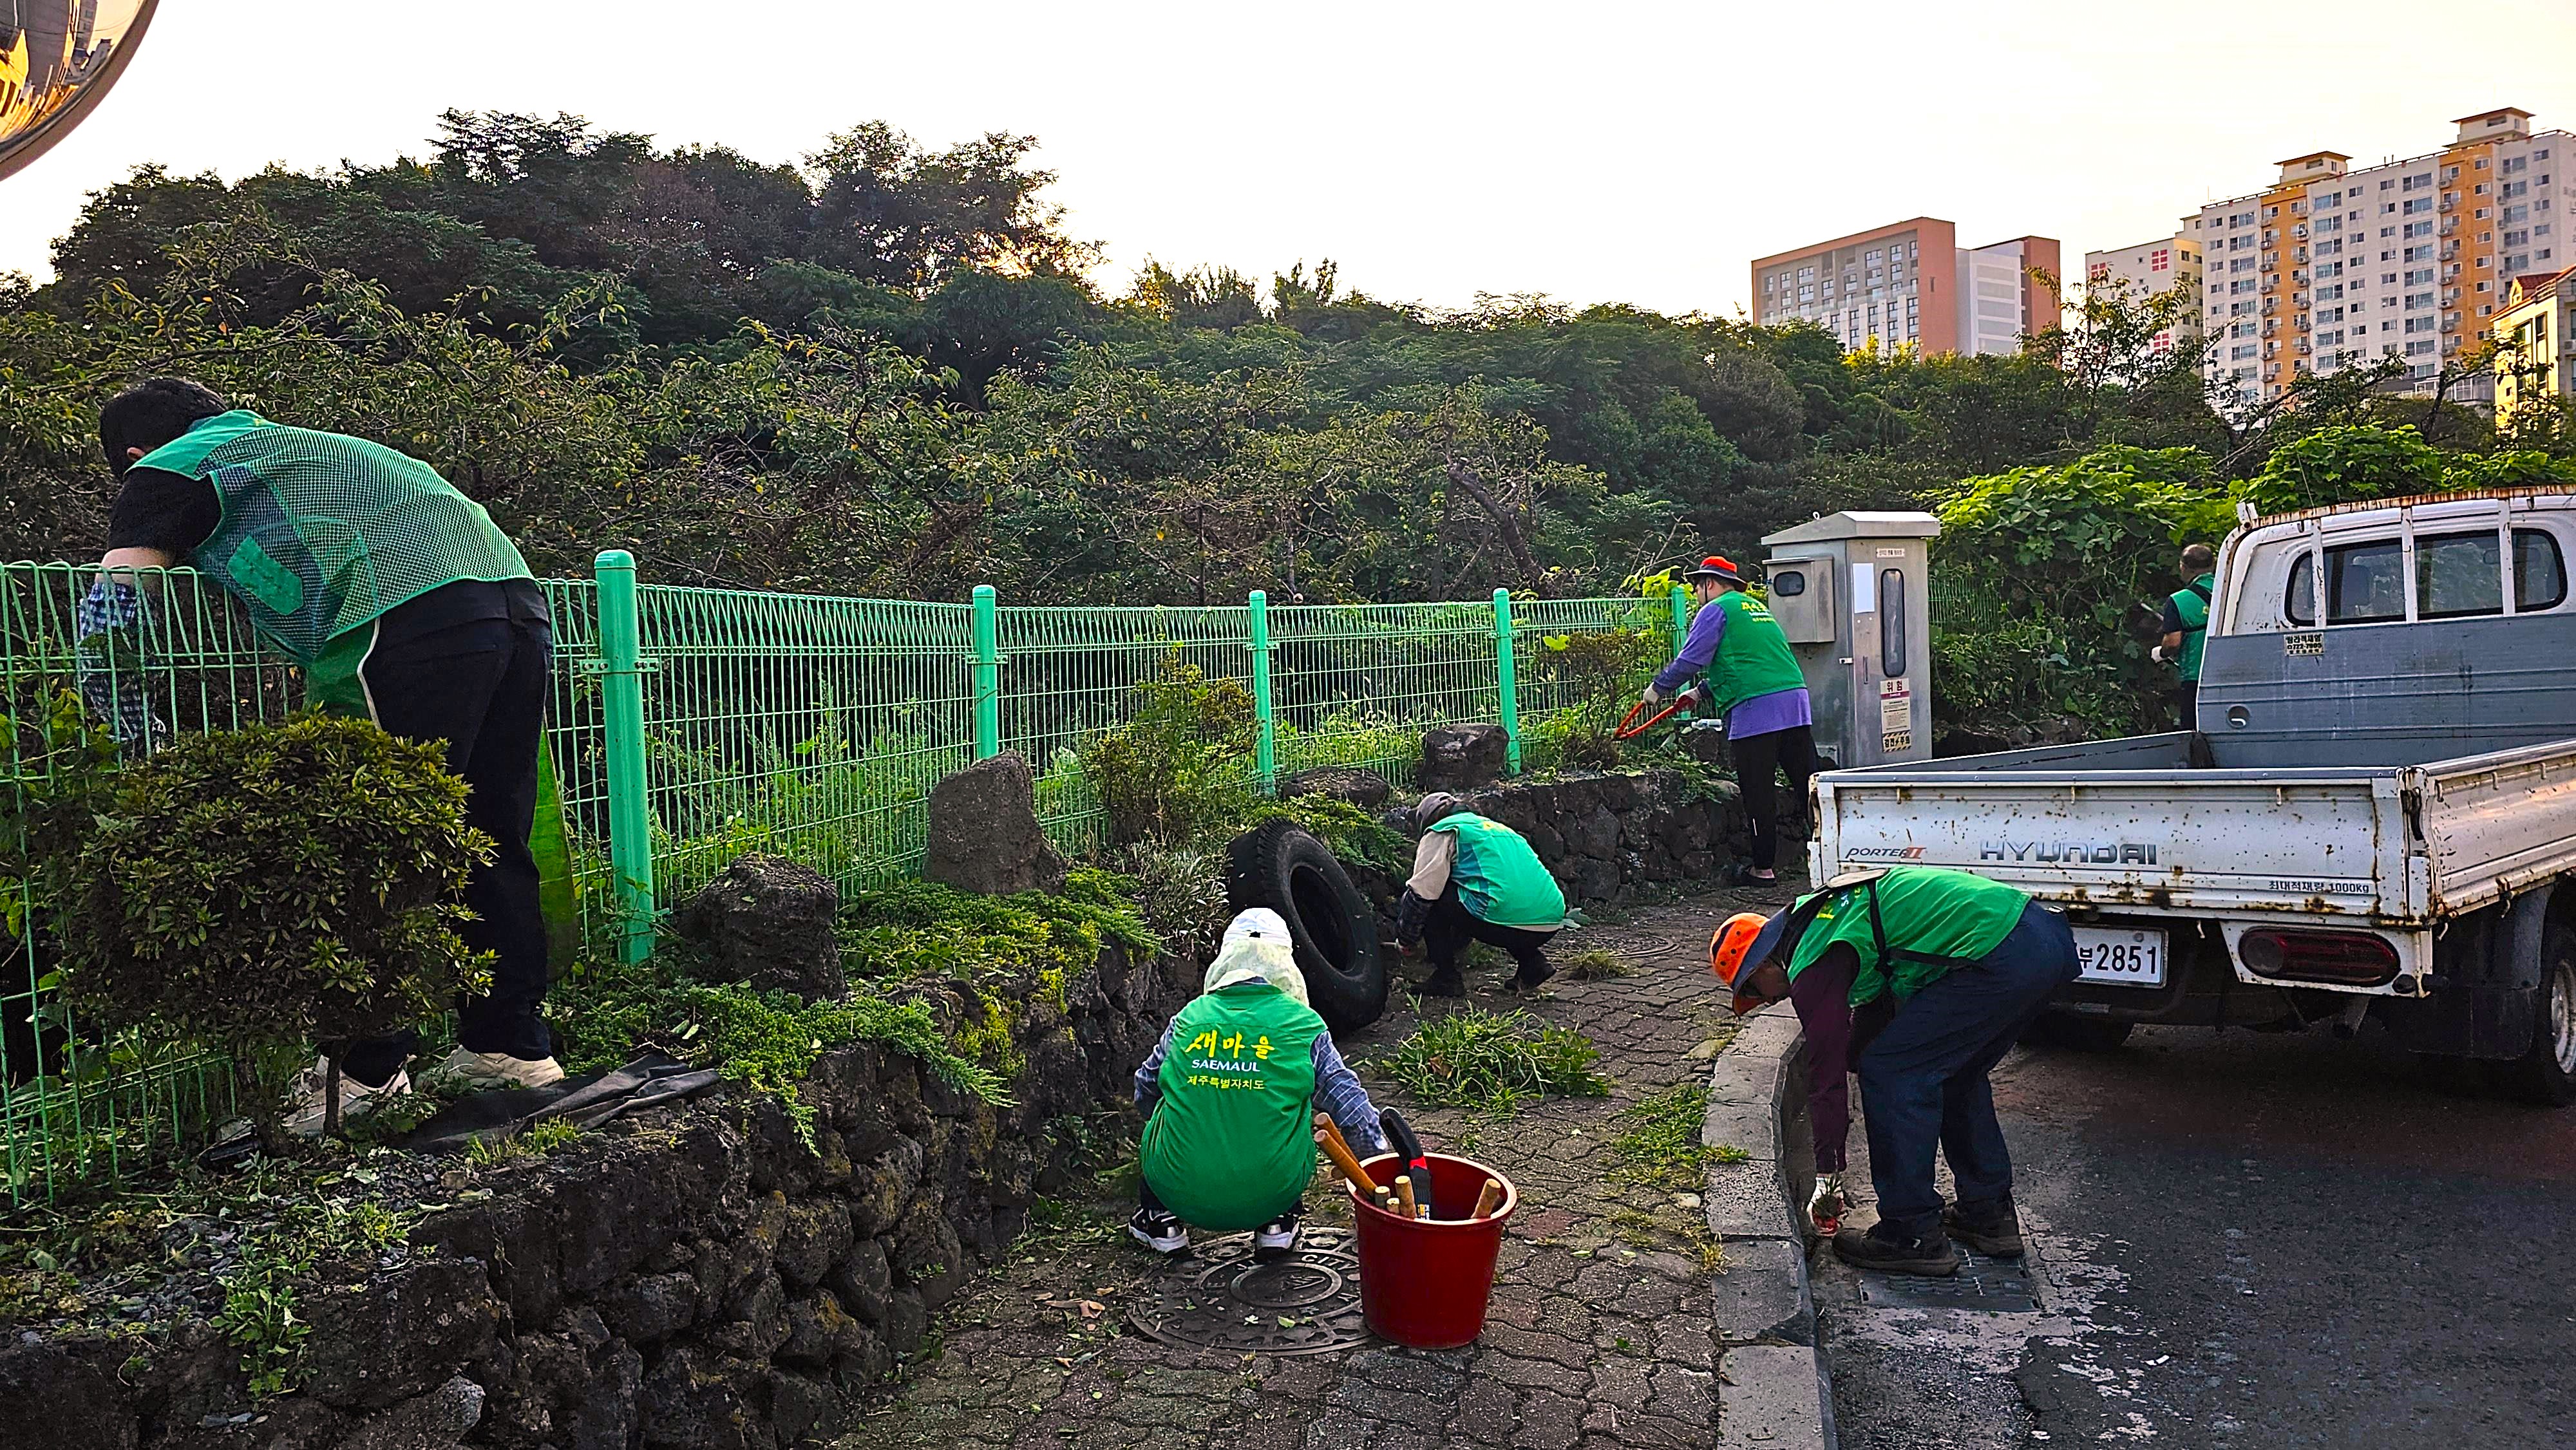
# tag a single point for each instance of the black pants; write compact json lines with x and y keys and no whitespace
{"x":1756,"y":757}
{"x":2187,"y":700}
{"x":1450,"y":926}
{"x":480,"y":686}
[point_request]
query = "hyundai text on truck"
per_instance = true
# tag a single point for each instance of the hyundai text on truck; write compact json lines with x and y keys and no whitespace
{"x":2373,"y":821}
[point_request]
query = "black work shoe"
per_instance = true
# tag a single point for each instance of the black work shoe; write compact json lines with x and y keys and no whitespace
{"x":1276,"y":1239}
{"x":1446,"y":982}
{"x":1526,"y":980}
{"x":1932,"y":1257}
{"x":1995,"y":1235}
{"x":1159,"y":1231}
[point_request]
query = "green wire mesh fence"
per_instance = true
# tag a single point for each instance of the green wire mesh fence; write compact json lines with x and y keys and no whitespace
{"x":691,"y":725}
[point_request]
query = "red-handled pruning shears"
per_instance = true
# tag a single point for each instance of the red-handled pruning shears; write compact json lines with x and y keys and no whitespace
{"x":1630,"y":727}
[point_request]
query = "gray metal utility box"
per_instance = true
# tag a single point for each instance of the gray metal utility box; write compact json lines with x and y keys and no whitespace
{"x":1849,"y":590}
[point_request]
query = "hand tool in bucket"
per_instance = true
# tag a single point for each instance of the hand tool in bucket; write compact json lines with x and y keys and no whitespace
{"x":1408,"y":1148}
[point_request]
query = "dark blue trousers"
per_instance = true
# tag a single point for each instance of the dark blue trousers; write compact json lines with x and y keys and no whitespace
{"x":1923,"y":1080}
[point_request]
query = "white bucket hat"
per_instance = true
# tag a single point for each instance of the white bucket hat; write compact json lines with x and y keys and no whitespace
{"x":1257,"y":948}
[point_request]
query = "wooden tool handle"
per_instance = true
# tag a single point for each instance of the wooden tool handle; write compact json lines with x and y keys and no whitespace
{"x":1404,"y":1196}
{"x":1324,"y":1124}
{"x":1343,"y":1159}
{"x":1488,"y":1198}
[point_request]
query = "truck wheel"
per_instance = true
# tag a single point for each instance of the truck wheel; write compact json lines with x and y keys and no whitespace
{"x":2077,"y":1033}
{"x":1335,"y":929}
{"x":2547,"y":1074}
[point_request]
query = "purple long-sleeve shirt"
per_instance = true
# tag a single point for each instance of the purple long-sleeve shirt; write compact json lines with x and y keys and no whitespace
{"x":1822,"y":995}
{"x":1760,"y":715}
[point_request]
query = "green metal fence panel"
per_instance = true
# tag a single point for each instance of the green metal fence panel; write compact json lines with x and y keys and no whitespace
{"x":807,"y":725}
{"x":1357,"y":684}
{"x":1067,"y":674}
{"x":78,"y":1105}
{"x":1551,"y":685}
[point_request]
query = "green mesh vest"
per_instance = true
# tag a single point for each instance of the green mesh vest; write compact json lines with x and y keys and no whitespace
{"x":1929,"y":921}
{"x":1752,"y":655}
{"x":2191,"y":605}
{"x":321,"y":533}
{"x":1501,"y":880}
{"x":1232,"y":1143}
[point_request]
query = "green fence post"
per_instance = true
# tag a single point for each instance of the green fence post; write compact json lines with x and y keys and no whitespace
{"x":1265,"y":748}
{"x":988,"y":673}
{"x":630,"y":831}
{"x":1509,"y":685}
{"x":1681,"y":618}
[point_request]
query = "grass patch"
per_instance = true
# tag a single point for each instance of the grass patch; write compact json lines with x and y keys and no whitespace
{"x":536,"y":1141}
{"x":1493,"y":1062}
{"x":1661,"y":1147}
{"x":1597,"y":964}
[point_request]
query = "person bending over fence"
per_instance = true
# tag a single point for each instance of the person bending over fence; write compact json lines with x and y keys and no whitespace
{"x":404,"y":603}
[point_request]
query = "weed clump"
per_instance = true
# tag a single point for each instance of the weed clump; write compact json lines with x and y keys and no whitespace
{"x":1493,"y":1062}
{"x":1596,"y":964}
{"x":1661,"y":1148}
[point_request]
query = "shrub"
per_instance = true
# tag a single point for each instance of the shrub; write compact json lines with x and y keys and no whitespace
{"x":1492,"y":1061}
{"x":1166,"y":773}
{"x":263,"y":888}
{"x":1594,"y":675}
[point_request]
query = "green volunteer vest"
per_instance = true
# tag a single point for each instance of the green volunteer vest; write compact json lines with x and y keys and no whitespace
{"x":1752,"y":655}
{"x":1933,"y":920}
{"x":1232,"y":1144}
{"x":1501,"y":880}
{"x":2192,"y":605}
{"x":321,"y":533}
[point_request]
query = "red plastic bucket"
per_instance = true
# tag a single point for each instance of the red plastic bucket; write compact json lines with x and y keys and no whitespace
{"x":1424,"y":1283}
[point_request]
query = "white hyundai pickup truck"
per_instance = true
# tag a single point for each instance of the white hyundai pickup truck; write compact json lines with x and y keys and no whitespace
{"x":2370,"y":823}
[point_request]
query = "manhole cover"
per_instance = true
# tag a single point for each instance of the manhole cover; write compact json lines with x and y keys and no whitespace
{"x":1220,"y":1298}
{"x":2000,"y":1286}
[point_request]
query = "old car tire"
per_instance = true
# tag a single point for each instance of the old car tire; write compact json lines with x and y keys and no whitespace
{"x":1281,"y":867}
{"x":2076,"y":1033}
{"x":2547,"y":1073}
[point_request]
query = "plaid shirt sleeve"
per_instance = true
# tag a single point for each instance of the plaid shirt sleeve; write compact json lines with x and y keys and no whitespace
{"x":1338,"y":1092}
{"x":1149,"y":1078}
{"x":111,"y":621}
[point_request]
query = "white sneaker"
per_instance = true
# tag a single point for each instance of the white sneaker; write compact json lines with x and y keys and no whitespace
{"x":496,"y":1069}
{"x":356,"y":1098}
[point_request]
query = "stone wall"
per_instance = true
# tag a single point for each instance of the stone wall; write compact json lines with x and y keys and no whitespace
{"x":693,"y":1280}
{"x":1607,"y":837}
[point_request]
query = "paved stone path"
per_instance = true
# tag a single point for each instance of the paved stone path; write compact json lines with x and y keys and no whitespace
{"x":1599,"y":1334}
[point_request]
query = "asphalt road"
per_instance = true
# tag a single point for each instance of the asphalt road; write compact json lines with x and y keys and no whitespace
{"x":2249,"y":1240}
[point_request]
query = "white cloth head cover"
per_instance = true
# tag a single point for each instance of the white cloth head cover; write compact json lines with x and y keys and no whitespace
{"x":1257,"y":948}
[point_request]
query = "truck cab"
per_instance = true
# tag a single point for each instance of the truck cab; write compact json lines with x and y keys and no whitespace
{"x":2369,"y":825}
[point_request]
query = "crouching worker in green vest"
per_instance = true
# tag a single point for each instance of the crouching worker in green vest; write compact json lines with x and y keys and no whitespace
{"x":1476,"y":880}
{"x":404,"y":604}
{"x":1230,"y":1096}
{"x":1919,"y":980}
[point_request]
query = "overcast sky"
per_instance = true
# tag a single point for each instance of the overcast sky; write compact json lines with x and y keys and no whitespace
{"x":1596,"y":152}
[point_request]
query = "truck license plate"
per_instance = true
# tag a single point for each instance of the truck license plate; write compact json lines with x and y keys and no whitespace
{"x":2120,"y":956}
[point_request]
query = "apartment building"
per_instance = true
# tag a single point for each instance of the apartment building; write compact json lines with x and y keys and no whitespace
{"x":2153,"y":269}
{"x":1910,"y":284}
{"x":2537,"y":337}
{"x":2333,"y":266}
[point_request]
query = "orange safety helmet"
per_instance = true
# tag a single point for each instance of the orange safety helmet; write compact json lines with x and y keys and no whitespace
{"x":1746,"y":939}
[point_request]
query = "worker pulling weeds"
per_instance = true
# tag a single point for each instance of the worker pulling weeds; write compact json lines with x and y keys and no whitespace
{"x":1919,"y":980}
{"x":1476,"y":879}
{"x":1230,"y":1095}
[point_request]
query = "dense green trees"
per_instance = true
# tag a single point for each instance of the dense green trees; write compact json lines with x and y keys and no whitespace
{"x":886,"y":370}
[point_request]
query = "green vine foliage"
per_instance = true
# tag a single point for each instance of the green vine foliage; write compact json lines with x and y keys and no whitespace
{"x":261,"y":889}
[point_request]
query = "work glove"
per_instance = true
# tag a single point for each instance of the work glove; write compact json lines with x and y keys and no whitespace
{"x":1825,"y":1203}
{"x":110,"y":622}
{"x":1652,"y":697}
{"x":2157,"y":653}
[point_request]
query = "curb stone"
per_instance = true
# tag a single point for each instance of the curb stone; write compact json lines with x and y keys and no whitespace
{"x":1774,"y":1386}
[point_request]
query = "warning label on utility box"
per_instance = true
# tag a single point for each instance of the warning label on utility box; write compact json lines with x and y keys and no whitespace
{"x":1895,"y":706}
